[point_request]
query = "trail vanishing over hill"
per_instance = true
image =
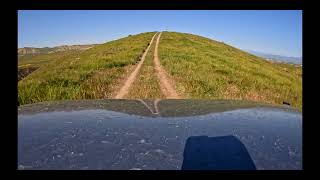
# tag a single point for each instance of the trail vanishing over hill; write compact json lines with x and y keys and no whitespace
{"x":158,"y":66}
{"x":152,"y":81}
{"x":147,"y":84}
{"x":166,"y":86}
{"x":125,"y":89}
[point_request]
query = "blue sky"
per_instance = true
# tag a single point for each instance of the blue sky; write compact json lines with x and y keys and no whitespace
{"x":276,"y":32}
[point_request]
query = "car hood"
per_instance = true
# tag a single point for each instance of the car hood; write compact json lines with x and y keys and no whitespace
{"x":159,"y":135}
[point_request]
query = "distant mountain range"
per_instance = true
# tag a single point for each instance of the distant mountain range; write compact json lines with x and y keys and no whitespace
{"x":272,"y":57}
{"x":49,"y":50}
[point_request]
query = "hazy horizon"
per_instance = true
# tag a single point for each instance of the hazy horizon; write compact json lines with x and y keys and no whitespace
{"x":247,"y":50}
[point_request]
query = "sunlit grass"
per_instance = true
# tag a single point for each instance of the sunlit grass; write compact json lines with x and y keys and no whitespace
{"x":89,"y":74}
{"x":201,"y":68}
{"x":204,"y":68}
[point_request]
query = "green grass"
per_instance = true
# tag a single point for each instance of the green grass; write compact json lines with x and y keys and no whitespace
{"x":147,"y":85}
{"x":89,"y":74}
{"x":201,"y":68}
{"x":40,"y":59}
{"x":204,"y":68}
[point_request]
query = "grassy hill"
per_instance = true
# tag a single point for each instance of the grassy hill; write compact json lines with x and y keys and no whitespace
{"x":200,"y":67}
{"x":88,"y":74}
{"x":29,"y":56}
{"x":204,"y":68}
{"x":30,"y":59}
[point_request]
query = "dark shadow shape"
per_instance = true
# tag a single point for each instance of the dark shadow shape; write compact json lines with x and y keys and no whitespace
{"x":216,"y":153}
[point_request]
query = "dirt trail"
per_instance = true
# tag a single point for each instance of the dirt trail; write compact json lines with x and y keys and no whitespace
{"x":125,"y":88}
{"x":166,"y":87}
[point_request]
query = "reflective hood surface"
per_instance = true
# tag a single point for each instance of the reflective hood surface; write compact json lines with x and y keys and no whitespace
{"x":159,"y":135}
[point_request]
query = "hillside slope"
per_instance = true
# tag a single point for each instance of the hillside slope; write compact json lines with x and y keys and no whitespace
{"x":197,"y":68}
{"x":29,"y":56}
{"x":90,"y":74}
{"x":204,"y":68}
